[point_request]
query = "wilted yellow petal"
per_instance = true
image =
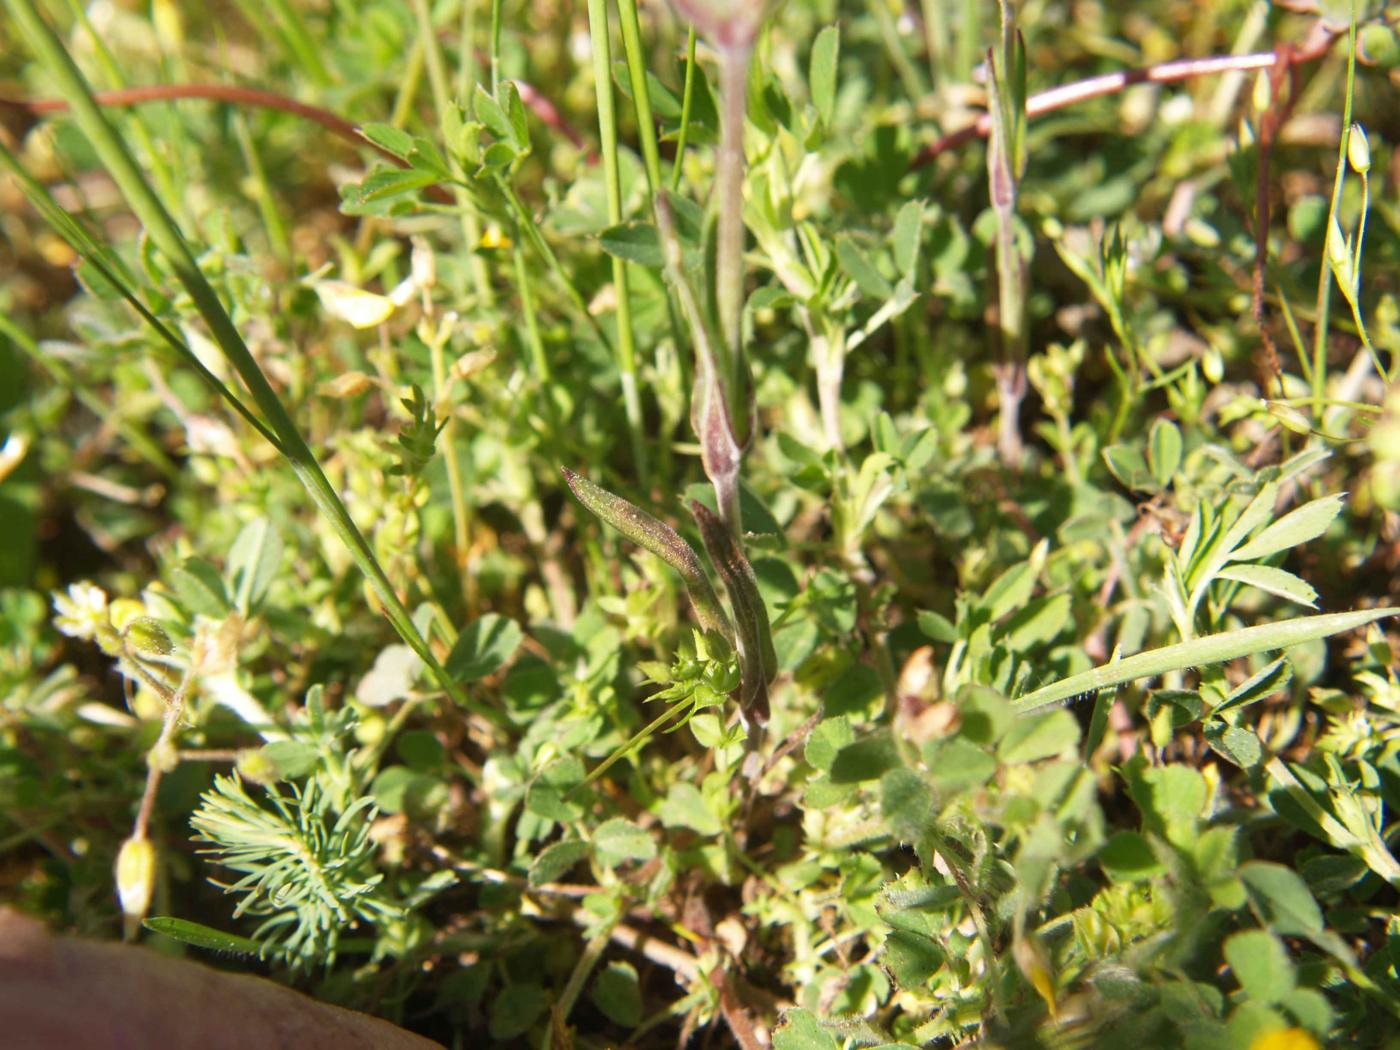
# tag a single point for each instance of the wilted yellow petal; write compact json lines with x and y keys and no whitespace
{"x":355,"y":305}
{"x":347,"y":384}
{"x":469,"y":364}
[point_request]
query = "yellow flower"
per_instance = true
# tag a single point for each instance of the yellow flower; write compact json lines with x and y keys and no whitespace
{"x":1285,"y":1039}
{"x":493,"y":238}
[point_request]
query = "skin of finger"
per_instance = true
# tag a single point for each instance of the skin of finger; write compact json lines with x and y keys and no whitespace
{"x":87,"y":995}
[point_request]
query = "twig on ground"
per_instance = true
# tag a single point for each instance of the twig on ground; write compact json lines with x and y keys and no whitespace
{"x":1318,"y":43}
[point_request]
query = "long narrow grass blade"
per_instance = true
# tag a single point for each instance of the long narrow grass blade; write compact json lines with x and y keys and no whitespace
{"x":1215,"y":649}
{"x":166,"y":237}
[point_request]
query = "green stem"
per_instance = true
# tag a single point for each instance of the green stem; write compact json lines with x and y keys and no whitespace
{"x":641,"y":93}
{"x":466,"y":50}
{"x":607,"y":127}
{"x":687,"y":99}
{"x":729,"y":249}
{"x":495,"y":45}
{"x":889,"y":35}
{"x":437,"y":79}
{"x":166,"y":237}
{"x":267,"y":202}
{"x":527,"y":226}
{"x":298,"y":39}
{"x":1324,"y":281}
{"x":137,"y":123}
{"x":935,"y":38}
{"x":532,"y":328}
{"x":471,"y":233}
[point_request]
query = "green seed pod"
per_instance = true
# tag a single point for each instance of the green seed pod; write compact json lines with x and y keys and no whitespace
{"x":758,"y":661}
{"x":147,"y":637}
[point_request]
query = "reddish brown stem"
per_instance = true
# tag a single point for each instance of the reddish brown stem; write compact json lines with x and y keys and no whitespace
{"x":238,"y":95}
{"x":230,"y":93}
{"x":1318,"y":44}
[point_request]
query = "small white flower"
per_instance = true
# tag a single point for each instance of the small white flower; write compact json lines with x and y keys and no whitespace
{"x":82,"y":612}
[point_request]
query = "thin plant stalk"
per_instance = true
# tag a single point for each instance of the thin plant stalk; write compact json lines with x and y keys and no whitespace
{"x":437,"y":80}
{"x":729,"y":248}
{"x":166,"y":237}
{"x":894,"y":47}
{"x":471,"y":233}
{"x":538,"y":360}
{"x":495,"y":45}
{"x":466,"y":45}
{"x":607,"y":128}
{"x":456,"y":487}
{"x":641,"y":93}
{"x":646,"y":122}
{"x":1324,"y":280}
{"x":687,"y":99}
{"x":107,"y":62}
{"x":1005,"y":164}
{"x":276,"y":229}
{"x":530,"y":231}
{"x":969,"y":43}
{"x":935,"y":38}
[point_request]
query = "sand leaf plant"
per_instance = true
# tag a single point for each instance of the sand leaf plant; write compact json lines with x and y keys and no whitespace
{"x":987,"y":633}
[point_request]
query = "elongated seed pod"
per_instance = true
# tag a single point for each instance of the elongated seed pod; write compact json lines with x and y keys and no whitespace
{"x":656,"y":536}
{"x":758,"y":662}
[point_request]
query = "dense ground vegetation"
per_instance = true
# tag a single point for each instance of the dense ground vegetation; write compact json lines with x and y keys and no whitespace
{"x":648,"y":540}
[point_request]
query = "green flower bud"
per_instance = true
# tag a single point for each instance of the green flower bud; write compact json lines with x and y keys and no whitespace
{"x":1263,"y":93}
{"x":1212,"y":365}
{"x":1339,"y":258}
{"x":1358,"y":150}
{"x":255,"y":766}
{"x":1290,"y":418}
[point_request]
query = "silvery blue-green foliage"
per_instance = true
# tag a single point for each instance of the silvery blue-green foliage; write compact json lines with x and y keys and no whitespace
{"x":306,"y":865}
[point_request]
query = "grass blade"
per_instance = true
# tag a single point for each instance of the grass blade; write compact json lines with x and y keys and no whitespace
{"x":1216,"y":648}
{"x":166,"y":236}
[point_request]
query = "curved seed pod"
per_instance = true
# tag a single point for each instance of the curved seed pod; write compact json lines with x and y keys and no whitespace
{"x":656,"y":536}
{"x":758,"y":662}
